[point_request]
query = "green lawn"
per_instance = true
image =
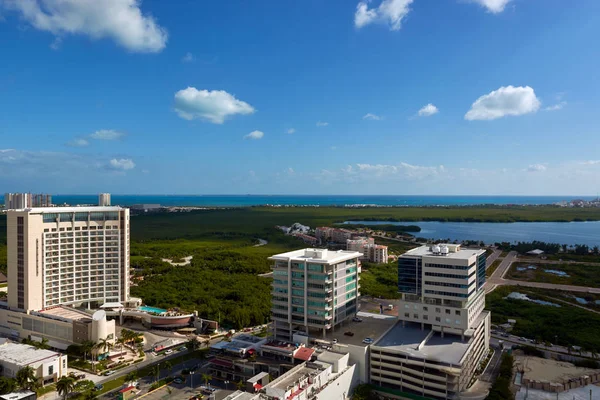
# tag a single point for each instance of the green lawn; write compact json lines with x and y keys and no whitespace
{"x":572,"y":325}
{"x":579,"y":274}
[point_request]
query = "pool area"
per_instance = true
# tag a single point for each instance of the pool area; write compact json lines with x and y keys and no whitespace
{"x":152,"y":309}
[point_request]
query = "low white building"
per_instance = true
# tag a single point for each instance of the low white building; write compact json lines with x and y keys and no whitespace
{"x":49,"y":366}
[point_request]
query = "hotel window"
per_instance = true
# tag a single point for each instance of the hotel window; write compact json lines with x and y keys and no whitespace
{"x":415,"y":315}
{"x":406,"y":315}
{"x":425,"y":317}
{"x":437,"y":310}
{"x":447,"y":311}
{"x":437,"y":319}
{"x":425,"y":308}
{"x":406,"y":306}
{"x":457,"y":312}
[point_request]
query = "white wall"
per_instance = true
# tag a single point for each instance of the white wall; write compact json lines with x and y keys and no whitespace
{"x":342,"y":387}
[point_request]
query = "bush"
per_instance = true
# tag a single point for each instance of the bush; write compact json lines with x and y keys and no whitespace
{"x":500,"y":390}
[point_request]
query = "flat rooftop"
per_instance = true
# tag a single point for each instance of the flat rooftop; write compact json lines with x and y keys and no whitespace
{"x":461,"y":254}
{"x":292,"y":377}
{"x":448,"y":349}
{"x":46,"y":210}
{"x":67,"y":313}
{"x":319,"y":256}
{"x":24,"y":354}
{"x":372,"y":326}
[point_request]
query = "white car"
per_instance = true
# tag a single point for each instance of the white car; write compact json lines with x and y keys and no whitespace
{"x":368,"y":340}
{"x":168,"y":352}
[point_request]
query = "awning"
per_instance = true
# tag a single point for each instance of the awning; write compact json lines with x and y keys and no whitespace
{"x":304,"y":354}
{"x":112,"y":305}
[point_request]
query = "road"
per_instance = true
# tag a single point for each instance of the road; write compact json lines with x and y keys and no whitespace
{"x":516,"y":340}
{"x":497,"y":279}
{"x":493,"y":257}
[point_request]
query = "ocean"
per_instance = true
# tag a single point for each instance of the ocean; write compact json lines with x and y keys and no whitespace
{"x":311,"y":200}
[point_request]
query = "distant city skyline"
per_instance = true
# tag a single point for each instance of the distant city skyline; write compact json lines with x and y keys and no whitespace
{"x":470,"y":97}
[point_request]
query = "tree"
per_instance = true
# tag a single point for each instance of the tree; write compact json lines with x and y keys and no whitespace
{"x":121,"y":341}
{"x":192,"y":344}
{"x":239,"y":384}
{"x":89,"y":395}
{"x":104,"y":345}
{"x":7,"y":385}
{"x":84,"y":386}
{"x":206,"y":378}
{"x":86,"y":347}
{"x":26,"y":378}
{"x":168,"y":366}
{"x":131,"y":376}
{"x":155,"y":372}
{"x":65,"y":385}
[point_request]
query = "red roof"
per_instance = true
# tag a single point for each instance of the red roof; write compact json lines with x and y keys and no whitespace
{"x":222,"y":363}
{"x":257,"y":386}
{"x":127,"y":389}
{"x":304,"y":353}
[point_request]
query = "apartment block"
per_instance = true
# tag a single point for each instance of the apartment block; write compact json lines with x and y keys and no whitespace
{"x":443,"y":330}
{"x":67,"y":256}
{"x":104,"y":199}
{"x":371,"y":252}
{"x":313,"y":290}
{"x":19,"y":201}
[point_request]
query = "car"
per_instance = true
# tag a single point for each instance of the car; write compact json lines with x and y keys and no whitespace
{"x":170,"y":351}
{"x":334,"y":341}
{"x":182,"y":348}
{"x":505,"y":335}
{"x":368,"y":340}
{"x":179,"y":381}
{"x":522,"y":339}
{"x":98,"y":387}
{"x":109,"y":373}
{"x":348,"y":333}
{"x":356,"y":319}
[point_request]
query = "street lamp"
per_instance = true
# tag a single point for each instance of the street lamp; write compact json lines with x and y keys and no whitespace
{"x":226,"y":385}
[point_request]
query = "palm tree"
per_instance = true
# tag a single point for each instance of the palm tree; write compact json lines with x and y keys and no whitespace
{"x":239,"y":384}
{"x":131,"y":376}
{"x":121,"y":341}
{"x":206,"y":378}
{"x":26,"y":378}
{"x":65,"y":385}
{"x":192,"y":344}
{"x":168,"y":365}
{"x":86,"y":347}
{"x":105,"y":345}
{"x":155,"y":371}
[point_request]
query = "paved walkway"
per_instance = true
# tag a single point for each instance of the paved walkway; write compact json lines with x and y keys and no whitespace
{"x":493,"y":257}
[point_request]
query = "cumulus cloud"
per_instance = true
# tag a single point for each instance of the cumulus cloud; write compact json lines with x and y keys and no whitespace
{"x":291,"y":130}
{"x":319,"y":123}
{"x":212,"y":105}
{"x":590,"y":162}
{"x":373,"y":117}
{"x":536,"y":168}
{"x":107,"y":134}
{"x":493,"y":6}
{"x":78,"y":142}
{"x":121,"y":164}
{"x":119,"y":20}
{"x":188,"y":58}
{"x":556,"y":107}
{"x":390,"y":12}
{"x":428,"y":110}
{"x":506,"y":101}
{"x":254,"y":135}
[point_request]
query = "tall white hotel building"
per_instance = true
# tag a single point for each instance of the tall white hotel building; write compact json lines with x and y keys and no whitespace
{"x":67,"y":256}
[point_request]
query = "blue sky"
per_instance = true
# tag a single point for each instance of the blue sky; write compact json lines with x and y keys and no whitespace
{"x":300,"y":97}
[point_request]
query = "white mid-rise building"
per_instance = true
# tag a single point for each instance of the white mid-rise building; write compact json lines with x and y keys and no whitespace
{"x":443,"y":330}
{"x":104,"y":199}
{"x":67,"y":256}
{"x":48,"y":366}
{"x":313,"y":290}
{"x":371,"y":252}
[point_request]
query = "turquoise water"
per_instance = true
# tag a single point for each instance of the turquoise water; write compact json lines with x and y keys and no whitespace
{"x":313,"y":200}
{"x":152,"y":309}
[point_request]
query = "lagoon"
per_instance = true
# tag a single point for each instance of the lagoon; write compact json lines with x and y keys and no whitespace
{"x":570,"y":233}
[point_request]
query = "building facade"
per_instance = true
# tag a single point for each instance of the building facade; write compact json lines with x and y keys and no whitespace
{"x":19,"y":201}
{"x":371,"y":252}
{"x":104,"y":199}
{"x":48,"y":366}
{"x":67,"y":256}
{"x":313,"y":290}
{"x":443,"y":330}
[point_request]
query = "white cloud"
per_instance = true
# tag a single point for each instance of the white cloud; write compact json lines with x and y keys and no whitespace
{"x":390,"y":12}
{"x":506,"y":101}
{"x":214,"y":105}
{"x":122,"y":164}
{"x":290,"y":171}
{"x":403,"y":169}
{"x":78,"y":142}
{"x":188,"y":58}
{"x":107,"y":134}
{"x":255,"y":135}
{"x":536,"y":168}
{"x":556,"y":107}
{"x":319,"y":123}
{"x":373,"y":117}
{"x":291,"y":130}
{"x":493,"y":6}
{"x":590,"y":162}
{"x":119,"y":20}
{"x":334,"y":148}
{"x":428,"y":110}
